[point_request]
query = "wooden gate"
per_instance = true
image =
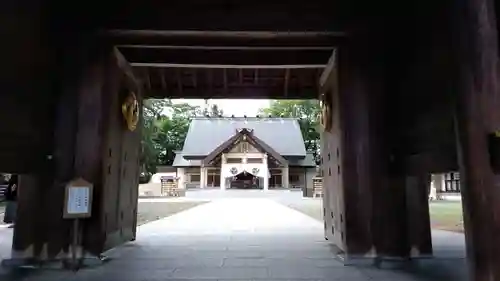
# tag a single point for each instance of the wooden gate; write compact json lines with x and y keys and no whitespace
{"x":121,"y":159}
{"x":108,"y":156}
{"x":333,"y":207}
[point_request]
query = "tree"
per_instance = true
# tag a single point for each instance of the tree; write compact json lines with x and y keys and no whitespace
{"x":152,"y":112}
{"x":215,"y":111}
{"x":212,"y":110}
{"x":164,"y":131}
{"x":172,"y":131}
{"x":307,"y":113}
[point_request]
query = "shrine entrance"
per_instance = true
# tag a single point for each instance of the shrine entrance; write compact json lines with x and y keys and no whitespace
{"x":245,"y":180}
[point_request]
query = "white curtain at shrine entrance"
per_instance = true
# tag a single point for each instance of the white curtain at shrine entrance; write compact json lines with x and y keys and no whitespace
{"x":229,"y":171}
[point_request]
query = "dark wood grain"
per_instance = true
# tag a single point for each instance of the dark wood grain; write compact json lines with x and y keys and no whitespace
{"x":477,"y":100}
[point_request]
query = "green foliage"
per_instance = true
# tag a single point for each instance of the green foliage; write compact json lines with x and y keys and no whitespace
{"x":307,"y":113}
{"x":165,"y":129}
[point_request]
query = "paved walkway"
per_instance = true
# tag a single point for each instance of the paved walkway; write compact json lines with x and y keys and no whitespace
{"x":229,"y":239}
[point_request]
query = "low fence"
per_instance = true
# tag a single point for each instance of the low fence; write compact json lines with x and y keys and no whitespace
{"x":316,"y":190}
{"x":170,"y":188}
{"x":3,"y":190}
{"x":317,"y":187}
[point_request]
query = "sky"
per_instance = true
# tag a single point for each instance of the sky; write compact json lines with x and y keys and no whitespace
{"x":231,"y":106}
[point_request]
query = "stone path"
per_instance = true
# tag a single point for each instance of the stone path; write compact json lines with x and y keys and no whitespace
{"x":229,"y":239}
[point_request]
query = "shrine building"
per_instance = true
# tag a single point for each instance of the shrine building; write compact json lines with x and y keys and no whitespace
{"x":244,"y":153}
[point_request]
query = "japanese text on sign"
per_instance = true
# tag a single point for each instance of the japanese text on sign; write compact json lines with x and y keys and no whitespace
{"x":78,"y":200}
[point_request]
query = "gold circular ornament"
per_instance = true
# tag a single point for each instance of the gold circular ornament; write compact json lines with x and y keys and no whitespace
{"x":326,"y":114}
{"x":130,"y":111}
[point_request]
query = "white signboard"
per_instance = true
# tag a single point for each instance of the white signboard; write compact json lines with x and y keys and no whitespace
{"x":78,"y":201}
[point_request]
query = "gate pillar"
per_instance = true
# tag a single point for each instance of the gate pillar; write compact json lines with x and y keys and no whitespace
{"x":374,"y":196}
{"x":92,"y":140}
{"x":478,"y":124}
{"x":365,"y":206}
{"x":418,"y":216}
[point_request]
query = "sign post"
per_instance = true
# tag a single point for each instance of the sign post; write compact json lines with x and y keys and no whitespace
{"x":77,"y":205}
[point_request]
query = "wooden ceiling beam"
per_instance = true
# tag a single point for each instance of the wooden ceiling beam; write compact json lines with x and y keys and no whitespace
{"x":246,"y":92}
{"x":229,"y":48}
{"x":210,"y":79}
{"x":286,"y":81}
{"x":235,"y":57}
{"x":224,"y":77}
{"x":200,"y":40}
{"x":229,"y":17}
{"x":179,"y":81}
{"x":194,"y":77}
{"x":148,"y":78}
{"x":228,"y":66}
{"x":162,"y":77}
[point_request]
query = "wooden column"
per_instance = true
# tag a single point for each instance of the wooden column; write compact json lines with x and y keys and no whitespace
{"x":419,"y":226}
{"x":477,"y":116}
{"x":374,"y":196}
{"x":106,"y":151}
{"x":91,"y":140}
{"x":355,"y":150}
{"x":56,"y":230}
{"x":27,"y":240}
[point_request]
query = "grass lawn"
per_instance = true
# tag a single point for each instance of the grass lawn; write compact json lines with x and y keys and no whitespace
{"x":312,"y":208}
{"x":151,"y":211}
{"x":446,"y":215}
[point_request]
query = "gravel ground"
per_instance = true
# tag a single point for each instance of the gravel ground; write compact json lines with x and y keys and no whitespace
{"x":151,"y":211}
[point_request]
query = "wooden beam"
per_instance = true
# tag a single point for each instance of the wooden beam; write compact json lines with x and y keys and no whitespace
{"x":194,"y":77}
{"x":210,"y":80}
{"x":436,"y":162}
{"x":327,"y":72}
{"x":179,"y":81}
{"x":216,"y":42}
{"x":125,"y":66}
{"x":162,"y":77}
{"x":148,"y":78}
{"x":227,"y":57}
{"x":228,"y":48}
{"x":233,"y":66}
{"x":223,"y":34}
{"x":246,"y":92}
{"x":286,"y":80}
{"x":224,"y":76}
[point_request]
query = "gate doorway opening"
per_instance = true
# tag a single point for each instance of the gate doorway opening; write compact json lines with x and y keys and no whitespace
{"x":245,"y":180}
{"x":447,"y":219}
{"x":8,"y":212}
{"x":279,"y":74}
